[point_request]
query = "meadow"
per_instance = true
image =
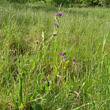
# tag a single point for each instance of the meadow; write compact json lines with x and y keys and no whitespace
{"x":44,"y":66}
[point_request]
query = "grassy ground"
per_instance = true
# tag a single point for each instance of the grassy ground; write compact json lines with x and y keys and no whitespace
{"x":34,"y":76}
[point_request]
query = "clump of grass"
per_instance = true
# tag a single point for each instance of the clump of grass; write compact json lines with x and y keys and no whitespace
{"x":17,"y":47}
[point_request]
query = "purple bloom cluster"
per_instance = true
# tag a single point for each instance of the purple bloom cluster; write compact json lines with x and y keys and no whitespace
{"x":59,"y":14}
{"x":62,"y":54}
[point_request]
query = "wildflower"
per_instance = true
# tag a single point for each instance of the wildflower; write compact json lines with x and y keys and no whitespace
{"x":65,"y":58}
{"x":62,"y":54}
{"x":56,"y":25}
{"x":59,"y":14}
{"x":74,"y":60}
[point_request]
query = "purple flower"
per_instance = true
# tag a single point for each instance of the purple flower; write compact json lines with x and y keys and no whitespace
{"x":65,"y":58}
{"x":74,"y":60}
{"x":59,"y":14}
{"x":56,"y":25}
{"x":62,"y":54}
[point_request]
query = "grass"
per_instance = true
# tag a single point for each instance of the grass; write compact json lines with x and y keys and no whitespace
{"x":32,"y":73}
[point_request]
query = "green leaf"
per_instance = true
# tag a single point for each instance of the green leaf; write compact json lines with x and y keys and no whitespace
{"x":36,"y":106}
{"x":28,"y":96}
{"x":14,"y":102}
{"x":20,"y":90}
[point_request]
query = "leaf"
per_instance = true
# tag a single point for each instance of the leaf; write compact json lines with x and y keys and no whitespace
{"x":36,"y":106}
{"x":14,"y":102}
{"x":21,"y":106}
{"x":28,"y":96}
{"x":20,"y":90}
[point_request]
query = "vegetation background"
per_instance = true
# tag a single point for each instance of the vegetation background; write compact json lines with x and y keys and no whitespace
{"x":34,"y":76}
{"x":69,"y":2}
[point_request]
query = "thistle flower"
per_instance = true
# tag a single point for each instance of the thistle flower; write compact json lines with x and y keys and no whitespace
{"x":62,"y":54}
{"x":59,"y":14}
{"x":56,"y":25}
{"x":74,"y":60}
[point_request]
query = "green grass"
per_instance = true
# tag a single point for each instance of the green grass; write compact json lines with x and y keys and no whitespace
{"x":29,"y":50}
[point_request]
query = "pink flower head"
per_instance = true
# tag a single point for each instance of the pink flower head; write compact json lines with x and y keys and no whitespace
{"x":59,"y":14}
{"x":56,"y":25}
{"x":74,"y":60}
{"x":62,"y":54}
